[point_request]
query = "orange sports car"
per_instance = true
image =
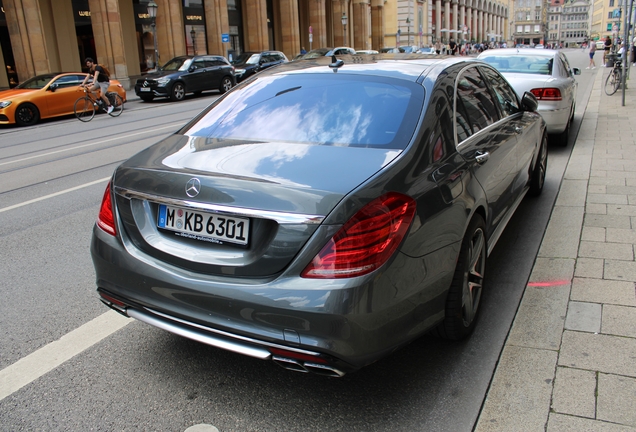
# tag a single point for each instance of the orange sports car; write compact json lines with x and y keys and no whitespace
{"x":45,"y":96}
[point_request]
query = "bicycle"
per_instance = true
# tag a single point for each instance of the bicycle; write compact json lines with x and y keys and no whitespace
{"x":86,"y":106}
{"x":613,"y":81}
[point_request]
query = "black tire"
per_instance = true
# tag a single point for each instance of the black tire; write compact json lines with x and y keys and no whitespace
{"x":84,"y":109}
{"x":147,"y":98}
{"x":118,"y":104}
{"x":177,"y":92}
{"x":462,"y":303}
{"x":537,"y":179}
{"x":226,"y":85}
{"x":612,"y":82}
{"x":27,"y":114}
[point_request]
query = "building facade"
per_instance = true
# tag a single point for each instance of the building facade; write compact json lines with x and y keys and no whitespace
{"x":554,"y":22}
{"x":575,"y":23}
{"x":42,"y":36}
{"x":531,"y":22}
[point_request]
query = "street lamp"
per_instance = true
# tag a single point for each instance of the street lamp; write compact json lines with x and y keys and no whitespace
{"x":152,"y":12}
{"x":408,"y":31}
{"x":344,"y":27}
{"x":194,"y":46}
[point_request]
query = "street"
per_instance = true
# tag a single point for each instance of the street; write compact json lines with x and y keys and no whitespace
{"x":127,"y":375}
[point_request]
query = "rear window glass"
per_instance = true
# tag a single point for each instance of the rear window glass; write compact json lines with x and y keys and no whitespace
{"x":317,"y":109}
{"x":519,"y":64}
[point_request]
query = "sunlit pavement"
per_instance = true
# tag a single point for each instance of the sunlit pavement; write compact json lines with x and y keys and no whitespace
{"x":569,"y":362}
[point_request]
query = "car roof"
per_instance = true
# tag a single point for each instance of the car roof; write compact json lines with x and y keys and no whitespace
{"x":525,"y":52}
{"x":402,"y":66}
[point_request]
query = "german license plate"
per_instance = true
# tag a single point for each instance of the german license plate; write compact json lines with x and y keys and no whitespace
{"x":203,"y":226}
{"x":144,"y":89}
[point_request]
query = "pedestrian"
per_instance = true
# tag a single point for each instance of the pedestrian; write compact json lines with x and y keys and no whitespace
{"x":438,"y":47}
{"x":592,"y":52}
{"x":101,"y":81}
{"x":607,"y":46}
{"x":634,"y":51}
{"x":453,"y":47}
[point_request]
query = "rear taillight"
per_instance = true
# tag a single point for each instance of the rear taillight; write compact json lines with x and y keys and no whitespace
{"x":106,"y":219}
{"x":547,"y":94}
{"x":366,"y":241}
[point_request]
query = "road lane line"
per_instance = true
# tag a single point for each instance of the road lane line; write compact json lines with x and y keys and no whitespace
{"x":47,"y":358}
{"x":90,"y":144}
{"x":42,"y":198}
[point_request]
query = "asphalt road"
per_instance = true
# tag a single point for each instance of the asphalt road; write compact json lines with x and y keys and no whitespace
{"x":98,"y":371}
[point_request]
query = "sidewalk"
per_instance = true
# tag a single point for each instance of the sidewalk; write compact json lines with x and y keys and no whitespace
{"x":569,"y":363}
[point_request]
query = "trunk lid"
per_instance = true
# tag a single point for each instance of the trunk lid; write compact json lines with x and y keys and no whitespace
{"x":283,"y":189}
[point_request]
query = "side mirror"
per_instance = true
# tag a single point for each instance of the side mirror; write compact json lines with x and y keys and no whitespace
{"x":53,"y":87}
{"x":192,"y":68}
{"x":529,"y":102}
{"x":576,"y":71}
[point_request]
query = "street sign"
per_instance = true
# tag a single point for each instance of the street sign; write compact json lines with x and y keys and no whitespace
{"x":225,"y":37}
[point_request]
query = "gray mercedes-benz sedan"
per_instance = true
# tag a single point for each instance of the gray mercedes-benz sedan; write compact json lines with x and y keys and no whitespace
{"x":324,"y":213}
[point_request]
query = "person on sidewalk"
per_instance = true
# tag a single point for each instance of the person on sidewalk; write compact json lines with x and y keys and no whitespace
{"x":607,"y":46}
{"x":453,"y":47}
{"x":438,"y":47}
{"x":592,"y":52}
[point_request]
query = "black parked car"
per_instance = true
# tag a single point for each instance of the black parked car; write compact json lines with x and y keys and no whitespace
{"x":187,"y":74}
{"x":320,"y":219}
{"x":247,"y":64}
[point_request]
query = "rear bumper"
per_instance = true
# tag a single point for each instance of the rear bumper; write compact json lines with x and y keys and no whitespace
{"x":556,"y":118}
{"x":328,"y":327}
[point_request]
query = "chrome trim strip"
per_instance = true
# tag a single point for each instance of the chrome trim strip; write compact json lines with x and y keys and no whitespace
{"x":216,"y":331}
{"x":259,"y":353}
{"x":279,"y":217}
{"x":492,"y":241}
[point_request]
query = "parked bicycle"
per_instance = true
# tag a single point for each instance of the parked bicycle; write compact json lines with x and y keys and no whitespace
{"x":86,"y":106}
{"x":613,"y":81}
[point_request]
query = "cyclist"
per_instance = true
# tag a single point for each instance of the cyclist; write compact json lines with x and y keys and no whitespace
{"x":101,"y":80}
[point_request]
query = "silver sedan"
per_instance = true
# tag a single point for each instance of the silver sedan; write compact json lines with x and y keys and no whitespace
{"x":546,"y":74}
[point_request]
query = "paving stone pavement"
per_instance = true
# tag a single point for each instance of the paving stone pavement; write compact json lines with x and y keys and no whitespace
{"x":569,"y":363}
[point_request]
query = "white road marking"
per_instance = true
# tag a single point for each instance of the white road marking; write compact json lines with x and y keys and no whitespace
{"x":62,"y":192}
{"x":47,"y":358}
{"x":172,"y":125}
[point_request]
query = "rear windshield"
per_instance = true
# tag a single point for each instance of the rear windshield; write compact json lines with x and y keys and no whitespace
{"x":318,"y":109}
{"x":519,"y":64}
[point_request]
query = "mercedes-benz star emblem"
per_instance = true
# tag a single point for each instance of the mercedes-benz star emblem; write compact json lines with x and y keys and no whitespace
{"x":193,"y":187}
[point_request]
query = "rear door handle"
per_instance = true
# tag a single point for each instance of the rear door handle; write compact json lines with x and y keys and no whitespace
{"x":518,"y":129}
{"x":482,"y":157}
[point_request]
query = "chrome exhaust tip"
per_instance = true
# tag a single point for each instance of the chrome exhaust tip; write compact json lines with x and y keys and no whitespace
{"x":289,"y":364}
{"x":297,"y":366}
{"x":323,"y":370}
